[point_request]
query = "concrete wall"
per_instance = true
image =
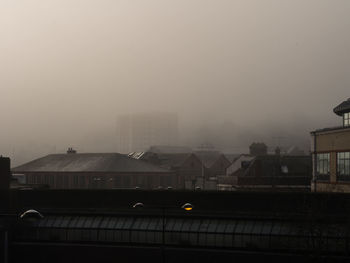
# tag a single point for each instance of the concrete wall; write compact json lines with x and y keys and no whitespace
{"x":338,"y":140}
{"x":332,"y":187}
{"x":90,"y":180}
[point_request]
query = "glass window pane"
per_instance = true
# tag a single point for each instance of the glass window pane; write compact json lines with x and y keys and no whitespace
{"x":112,"y":222}
{"x":186,"y":226}
{"x":249,"y":227}
{"x":221,"y":226}
{"x":239,"y":227}
{"x":58,"y":221}
{"x":65,"y":221}
{"x":96,"y":222}
{"x":276,"y":228}
{"x":137,"y":223}
{"x":195,"y":225}
{"x":204,"y":226}
{"x":178,"y":225}
{"x":145,"y":223}
{"x":213,"y":226}
{"x":73,"y":222}
{"x":81,"y":222}
{"x":43,"y":222}
{"x":266,"y":230}
{"x":230,"y":228}
{"x":105,"y":222}
{"x":153,"y":224}
{"x":169,"y":224}
{"x":88,"y":222}
{"x":258,"y":227}
{"x":128,"y":222}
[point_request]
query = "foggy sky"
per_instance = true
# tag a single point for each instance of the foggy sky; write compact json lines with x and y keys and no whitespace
{"x":258,"y":67}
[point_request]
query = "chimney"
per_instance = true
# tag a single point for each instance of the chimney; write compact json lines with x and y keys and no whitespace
{"x":71,"y":151}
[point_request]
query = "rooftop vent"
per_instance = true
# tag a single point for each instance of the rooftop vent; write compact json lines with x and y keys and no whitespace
{"x":71,"y":151}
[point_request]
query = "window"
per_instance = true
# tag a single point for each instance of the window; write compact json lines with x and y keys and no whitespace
{"x":346,"y":119}
{"x":322,"y":171}
{"x":343,"y":165}
{"x":81,"y":181}
{"x":75,"y":181}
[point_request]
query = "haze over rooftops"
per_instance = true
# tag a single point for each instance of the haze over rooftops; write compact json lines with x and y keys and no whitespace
{"x":169,"y":149}
{"x":169,"y":160}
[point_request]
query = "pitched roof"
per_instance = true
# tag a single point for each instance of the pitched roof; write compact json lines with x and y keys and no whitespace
{"x":342,"y":107}
{"x":273,"y":165}
{"x":208,"y":158}
{"x":88,"y":162}
{"x":169,"y":160}
{"x":232,"y":156}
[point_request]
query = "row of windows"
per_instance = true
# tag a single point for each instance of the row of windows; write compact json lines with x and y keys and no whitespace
{"x":82,"y":181}
{"x":346,"y":119}
{"x":343,"y":165}
{"x":189,"y":232}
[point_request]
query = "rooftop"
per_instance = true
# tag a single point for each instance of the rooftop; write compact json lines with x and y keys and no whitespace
{"x":88,"y":162}
{"x":331,"y":129}
{"x":342,"y":107}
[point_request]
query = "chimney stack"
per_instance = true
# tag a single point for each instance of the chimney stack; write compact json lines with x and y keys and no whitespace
{"x":71,"y":151}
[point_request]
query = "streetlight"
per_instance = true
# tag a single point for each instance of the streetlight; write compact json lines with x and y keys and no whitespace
{"x":187,"y":207}
{"x":138,"y":205}
{"x":31,"y":213}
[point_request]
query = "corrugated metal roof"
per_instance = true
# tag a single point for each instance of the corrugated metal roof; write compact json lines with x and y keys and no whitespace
{"x":87,"y":162}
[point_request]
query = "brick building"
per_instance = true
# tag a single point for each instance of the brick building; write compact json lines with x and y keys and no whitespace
{"x":331,"y":154}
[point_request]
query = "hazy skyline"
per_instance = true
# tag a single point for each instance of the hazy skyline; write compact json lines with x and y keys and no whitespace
{"x":69,"y":68}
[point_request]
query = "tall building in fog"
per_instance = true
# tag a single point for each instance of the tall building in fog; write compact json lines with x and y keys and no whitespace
{"x":137,"y":132}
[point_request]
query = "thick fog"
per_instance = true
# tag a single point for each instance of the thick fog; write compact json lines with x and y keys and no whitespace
{"x":235,"y":71}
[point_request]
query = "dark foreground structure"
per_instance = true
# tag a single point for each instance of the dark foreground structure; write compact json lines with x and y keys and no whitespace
{"x":153,"y":226}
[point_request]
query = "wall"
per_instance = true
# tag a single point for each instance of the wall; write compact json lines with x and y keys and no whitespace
{"x":332,"y":142}
{"x":332,"y":187}
{"x":237,"y":164}
{"x":107,"y":180}
{"x":338,"y":140}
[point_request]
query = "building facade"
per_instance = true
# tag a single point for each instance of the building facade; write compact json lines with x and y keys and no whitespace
{"x":331,"y":154}
{"x":269,"y":173}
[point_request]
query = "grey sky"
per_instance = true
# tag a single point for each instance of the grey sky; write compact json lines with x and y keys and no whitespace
{"x":68,"y":68}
